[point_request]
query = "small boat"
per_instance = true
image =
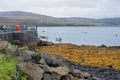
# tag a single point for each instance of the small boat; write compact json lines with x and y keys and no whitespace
{"x":59,"y":39}
{"x":84,"y":32}
{"x":116,"y":35}
{"x":43,"y":31}
{"x":43,"y":37}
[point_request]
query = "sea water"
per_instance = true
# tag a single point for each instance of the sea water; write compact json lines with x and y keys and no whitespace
{"x":83,"y":35}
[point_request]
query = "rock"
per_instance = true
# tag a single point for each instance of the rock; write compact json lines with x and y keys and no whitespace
{"x":3,"y":45}
{"x":99,"y":73}
{"x":51,"y":60}
{"x":48,"y":57}
{"x":12,"y":49}
{"x":80,"y":74}
{"x":22,"y":49}
{"x":65,"y":61}
{"x":103,"y":45}
{"x":53,"y":76}
{"x":36,"y":57}
{"x":95,"y":78}
{"x":42,"y":61}
{"x":55,"y":63}
{"x":60,"y":58}
{"x":86,"y":75}
{"x":33,"y":71}
{"x":27,"y":55}
{"x":47,"y":76}
{"x":44,"y":43}
{"x":77,"y":73}
{"x":62,"y":70}
{"x":46,"y":68}
{"x":70,"y":77}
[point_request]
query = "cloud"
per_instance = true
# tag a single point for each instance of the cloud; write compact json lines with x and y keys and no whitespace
{"x":65,"y":8}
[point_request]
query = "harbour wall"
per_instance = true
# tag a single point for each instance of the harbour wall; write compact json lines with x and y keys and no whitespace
{"x":23,"y":37}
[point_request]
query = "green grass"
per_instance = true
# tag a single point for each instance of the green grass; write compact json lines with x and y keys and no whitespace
{"x":8,"y":68}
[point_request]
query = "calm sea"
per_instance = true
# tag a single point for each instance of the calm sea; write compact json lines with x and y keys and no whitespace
{"x":109,"y":36}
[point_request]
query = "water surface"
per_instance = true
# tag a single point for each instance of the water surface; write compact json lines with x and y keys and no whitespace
{"x":109,"y":36}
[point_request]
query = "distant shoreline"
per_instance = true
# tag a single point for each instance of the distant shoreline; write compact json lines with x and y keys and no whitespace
{"x":77,"y":26}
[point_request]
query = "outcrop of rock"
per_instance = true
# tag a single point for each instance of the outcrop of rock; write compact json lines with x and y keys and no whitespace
{"x":45,"y":66}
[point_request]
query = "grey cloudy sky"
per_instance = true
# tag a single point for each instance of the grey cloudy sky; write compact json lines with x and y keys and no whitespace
{"x":65,"y":8}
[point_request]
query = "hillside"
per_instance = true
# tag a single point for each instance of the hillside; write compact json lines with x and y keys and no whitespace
{"x":27,"y":18}
{"x":111,"y":21}
{"x":30,"y":19}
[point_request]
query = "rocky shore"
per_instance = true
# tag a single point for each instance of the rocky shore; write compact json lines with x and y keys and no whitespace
{"x":101,"y":56}
{"x":45,"y":66}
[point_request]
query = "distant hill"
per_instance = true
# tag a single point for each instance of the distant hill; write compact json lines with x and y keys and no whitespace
{"x":83,"y":21}
{"x":111,"y":21}
{"x":32,"y":19}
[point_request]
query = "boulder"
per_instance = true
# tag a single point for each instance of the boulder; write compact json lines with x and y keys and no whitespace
{"x":47,"y":76}
{"x":12,"y":49}
{"x":22,"y":49}
{"x":46,"y":68}
{"x":52,"y":76}
{"x":36,"y":57}
{"x":48,"y":57}
{"x":27,"y":55}
{"x":51,"y":60}
{"x":65,"y":61}
{"x":55,"y":63}
{"x":42,"y":61}
{"x":77,"y":73}
{"x":62,"y":70}
{"x":95,"y":78}
{"x":44,"y":43}
{"x":81,"y":74}
{"x":3,"y":45}
{"x":70,"y":77}
{"x":33,"y":71}
{"x":86,"y":75}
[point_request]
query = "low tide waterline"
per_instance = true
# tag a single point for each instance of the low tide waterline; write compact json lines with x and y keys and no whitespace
{"x":109,"y":36}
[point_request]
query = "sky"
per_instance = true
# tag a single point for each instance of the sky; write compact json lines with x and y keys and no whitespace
{"x":65,"y":8}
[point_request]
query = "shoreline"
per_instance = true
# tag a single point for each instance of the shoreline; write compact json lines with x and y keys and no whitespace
{"x":101,"y":56}
{"x":64,"y":57}
{"x":77,"y":26}
{"x":104,"y":64}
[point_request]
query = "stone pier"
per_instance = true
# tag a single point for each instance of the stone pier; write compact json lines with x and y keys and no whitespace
{"x":23,"y":37}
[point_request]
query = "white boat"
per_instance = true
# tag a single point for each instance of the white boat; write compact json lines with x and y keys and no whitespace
{"x":43,"y":37}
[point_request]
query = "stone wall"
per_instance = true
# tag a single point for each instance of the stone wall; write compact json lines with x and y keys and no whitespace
{"x":22,"y":36}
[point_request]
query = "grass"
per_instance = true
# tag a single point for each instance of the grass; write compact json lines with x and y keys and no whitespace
{"x":8,"y":68}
